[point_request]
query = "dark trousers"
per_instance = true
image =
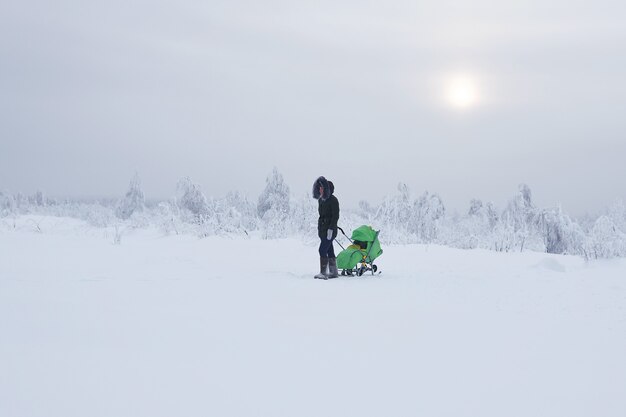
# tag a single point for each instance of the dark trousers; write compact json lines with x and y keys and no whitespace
{"x":326,"y":248}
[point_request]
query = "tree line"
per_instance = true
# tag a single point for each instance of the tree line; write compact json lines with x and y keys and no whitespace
{"x":401,"y":217}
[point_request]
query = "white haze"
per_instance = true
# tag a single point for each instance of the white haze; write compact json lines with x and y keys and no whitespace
{"x":224,"y":91}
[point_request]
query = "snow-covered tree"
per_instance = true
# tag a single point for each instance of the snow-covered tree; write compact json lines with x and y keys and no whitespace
{"x":133,"y":201}
{"x":275,"y":195}
{"x":235,"y":213}
{"x":192,"y":200}
{"x":21,"y":203}
{"x":273,"y":206}
{"x":521,"y":209}
{"x":37,"y":199}
{"x":606,"y":240}
{"x":7,"y":204}
{"x":304,"y":217}
{"x":492,"y":214}
{"x":617,"y":214}
{"x":396,"y":215}
{"x":366,"y":211}
{"x":503,"y":236}
{"x":428,"y":215}
{"x":168,"y":215}
{"x":474,"y":230}
{"x":476,"y":207}
{"x":560,"y":234}
{"x":520,"y":218}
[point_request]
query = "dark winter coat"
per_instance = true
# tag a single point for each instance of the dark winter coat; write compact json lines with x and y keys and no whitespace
{"x":328,"y":207}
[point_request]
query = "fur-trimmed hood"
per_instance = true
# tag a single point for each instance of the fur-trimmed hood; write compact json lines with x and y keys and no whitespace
{"x":329,"y":188}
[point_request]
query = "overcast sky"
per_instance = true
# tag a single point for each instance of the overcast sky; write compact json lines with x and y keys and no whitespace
{"x":223,"y":91}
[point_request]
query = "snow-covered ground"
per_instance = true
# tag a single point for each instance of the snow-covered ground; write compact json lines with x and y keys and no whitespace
{"x":181,"y":326}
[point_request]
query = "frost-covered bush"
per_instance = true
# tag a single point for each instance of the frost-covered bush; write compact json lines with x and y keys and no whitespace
{"x":133,"y":201}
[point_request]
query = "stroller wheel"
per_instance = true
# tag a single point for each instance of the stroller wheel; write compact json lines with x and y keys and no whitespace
{"x":361,"y":270}
{"x":374,"y":268}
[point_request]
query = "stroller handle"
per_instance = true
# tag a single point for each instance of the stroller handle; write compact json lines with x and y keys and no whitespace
{"x":344,"y":233}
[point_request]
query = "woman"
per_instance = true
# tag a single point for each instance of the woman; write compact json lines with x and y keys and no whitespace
{"x":328,"y":208}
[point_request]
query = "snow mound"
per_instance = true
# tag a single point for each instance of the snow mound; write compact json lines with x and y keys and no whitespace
{"x":550,"y":264}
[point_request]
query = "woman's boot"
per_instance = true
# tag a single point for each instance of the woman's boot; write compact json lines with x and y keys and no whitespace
{"x":323,"y":266}
{"x":332,"y":266}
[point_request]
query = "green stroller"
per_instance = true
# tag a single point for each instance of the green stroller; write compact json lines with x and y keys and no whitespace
{"x":358,"y":258}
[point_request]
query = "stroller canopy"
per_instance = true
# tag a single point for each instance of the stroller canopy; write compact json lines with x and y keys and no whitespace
{"x":364,"y":234}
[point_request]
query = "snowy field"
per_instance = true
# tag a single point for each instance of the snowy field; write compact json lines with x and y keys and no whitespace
{"x":180,"y":326}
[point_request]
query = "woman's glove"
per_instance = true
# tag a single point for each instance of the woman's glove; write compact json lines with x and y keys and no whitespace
{"x":329,"y":235}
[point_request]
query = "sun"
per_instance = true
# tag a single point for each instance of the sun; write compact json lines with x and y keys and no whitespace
{"x":461,"y":92}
